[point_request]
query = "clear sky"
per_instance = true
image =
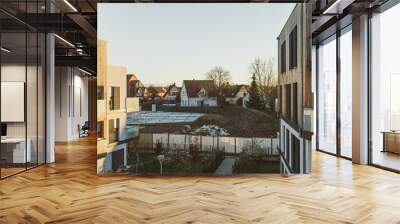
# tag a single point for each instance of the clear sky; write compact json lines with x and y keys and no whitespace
{"x":167,"y":43}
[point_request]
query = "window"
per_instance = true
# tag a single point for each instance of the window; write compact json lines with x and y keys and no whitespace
{"x":346,"y":94}
{"x":100,"y":92}
{"x":281,"y":100}
{"x":293,"y":48}
{"x":327,"y":96}
{"x":295,"y":154}
{"x":113,"y":130}
{"x":295,"y":119}
{"x":385,"y":88}
{"x":117,"y":159}
{"x":100,"y":129}
{"x":288,"y":100}
{"x":283,"y":57}
{"x":114,"y":100}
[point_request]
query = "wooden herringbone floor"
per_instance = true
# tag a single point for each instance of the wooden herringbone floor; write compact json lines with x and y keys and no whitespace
{"x":69,"y":191}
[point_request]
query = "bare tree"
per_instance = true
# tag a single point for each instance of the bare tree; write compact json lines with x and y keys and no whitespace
{"x":266,"y":78}
{"x":219,"y":75}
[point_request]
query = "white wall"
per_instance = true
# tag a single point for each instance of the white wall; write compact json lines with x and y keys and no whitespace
{"x":71,"y":103}
{"x":194,"y":101}
{"x":184,"y":97}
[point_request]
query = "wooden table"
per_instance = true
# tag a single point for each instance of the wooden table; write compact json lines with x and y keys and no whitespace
{"x":391,"y":141}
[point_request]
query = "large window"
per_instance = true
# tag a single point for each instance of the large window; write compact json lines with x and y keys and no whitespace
{"x":385,"y":88}
{"x":114,"y":100}
{"x":295,"y":104}
{"x":100,"y":92}
{"x":293,"y":48}
{"x":100,"y":129}
{"x":346,"y":93}
{"x":113,"y":130}
{"x":334,"y":65}
{"x":283,"y":57}
{"x":288,"y":101}
{"x":327,"y":96}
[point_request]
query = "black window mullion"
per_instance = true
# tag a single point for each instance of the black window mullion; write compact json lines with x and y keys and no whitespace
{"x":338,"y":93}
{"x":317,"y":96}
{"x":37,"y":90}
{"x":26,"y":87}
{"x":369,"y":100}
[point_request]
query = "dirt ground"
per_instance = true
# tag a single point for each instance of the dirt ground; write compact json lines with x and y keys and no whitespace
{"x":238,"y":121}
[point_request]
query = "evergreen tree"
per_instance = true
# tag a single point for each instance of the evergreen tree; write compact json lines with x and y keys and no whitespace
{"x":255,"y":100}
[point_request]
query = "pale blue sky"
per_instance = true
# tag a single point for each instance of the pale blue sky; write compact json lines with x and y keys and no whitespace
{"x":166,"y":43}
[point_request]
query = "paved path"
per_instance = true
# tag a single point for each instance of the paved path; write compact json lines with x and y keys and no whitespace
{"x":225,"y":168}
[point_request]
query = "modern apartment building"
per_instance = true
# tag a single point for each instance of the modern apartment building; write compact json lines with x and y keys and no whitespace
{"x":113,"y":134}
{"x":295,"y":95}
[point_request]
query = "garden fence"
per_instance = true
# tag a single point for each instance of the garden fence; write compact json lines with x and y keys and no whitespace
{"x":227,"y":144}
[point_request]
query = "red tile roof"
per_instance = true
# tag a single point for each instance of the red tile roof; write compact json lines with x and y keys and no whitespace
{"x":132,"y":77}
{"x":232,"y":90}
{"x":156,"y":89}
{"x":193,"y":87}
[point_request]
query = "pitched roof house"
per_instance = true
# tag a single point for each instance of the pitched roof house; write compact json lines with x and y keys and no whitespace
{"x":172,"y":94}
{"x":135,"y":88}
{"x":156,"y":92}
{"x":234,"y":93}
{"x":196,"y":93}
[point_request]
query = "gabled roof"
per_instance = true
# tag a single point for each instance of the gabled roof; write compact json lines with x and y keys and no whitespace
{"x":232,"y":90}
{"x":193,"y":87}
{"x":132,"y":77}
{"x":156,"y":89}
{"x":135,"y":82}
{"x":170,"y":87}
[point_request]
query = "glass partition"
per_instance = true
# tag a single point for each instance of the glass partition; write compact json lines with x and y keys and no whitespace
{"x":14,"y":153}
{"x":22,"y":88}
{"x":41,"y":97}
{"x":31,"y":97}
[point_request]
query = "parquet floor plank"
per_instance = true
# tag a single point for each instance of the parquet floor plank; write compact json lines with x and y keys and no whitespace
{"x":70,"y":191}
